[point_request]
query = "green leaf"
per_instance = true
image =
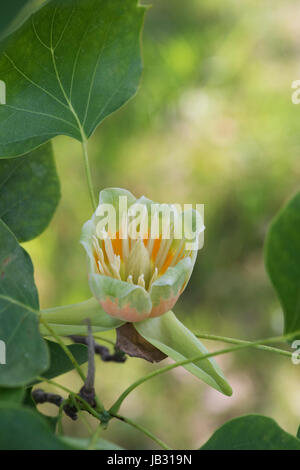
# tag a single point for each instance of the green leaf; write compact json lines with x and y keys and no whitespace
{"x":14,"y":13}
{"x":282,"y":259}
{"x":26,"y":352}
{"x":15,"y":395}
{"x":16,"y":271}
{"x":59,"y":361}
{"x":24,"y":429}
{"x":67,"y":68}
{"x":29,"y":192}
{"x":251,"y":432}
{"x":51,"y":421}
{"x":28,"y":400}
{"x":82,"y":444}
{"x":170,"y":336}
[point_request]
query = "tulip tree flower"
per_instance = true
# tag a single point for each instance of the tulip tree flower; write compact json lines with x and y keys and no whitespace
{"x":138,"y":266}
{"x":132,"y":275}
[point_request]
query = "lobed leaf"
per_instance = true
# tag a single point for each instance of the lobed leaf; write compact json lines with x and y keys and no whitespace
{"x":29,"y":192}
{"x":26,"y":352}
{"x":24,"y":429}
{"x":251,"y":432}
{"x":71,"y":64}
{"x":15,"y":395}
{"x":39,"y":435}
{"x":59,"y":361}
{"x":282,"y":259}
{"x":14,"y":13}
{"x":16,"y":271}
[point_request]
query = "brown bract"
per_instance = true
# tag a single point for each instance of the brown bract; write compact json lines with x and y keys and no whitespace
{"x":133,"y":344}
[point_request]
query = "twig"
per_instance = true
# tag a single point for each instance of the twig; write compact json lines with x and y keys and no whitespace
{"x":102,"y":351}
{"x":39,"y":396}
{"x":87,"y":392}
{"x":143,"y":430}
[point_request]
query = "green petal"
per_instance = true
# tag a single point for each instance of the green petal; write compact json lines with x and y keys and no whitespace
{"x":170,"y":336}
{"x":70,"y":319}
{"x":160,"y":212}
{"x":192,"y":222}
{"x":122,"y":293}
{"x":170,"y":284}
{"x":67,"y":330}
{"x":88,"y":230}
{"x":147,"y":203}
{"x":112,"y":196}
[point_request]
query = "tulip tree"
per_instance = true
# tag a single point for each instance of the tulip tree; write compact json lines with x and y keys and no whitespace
{"x":67,"y":66}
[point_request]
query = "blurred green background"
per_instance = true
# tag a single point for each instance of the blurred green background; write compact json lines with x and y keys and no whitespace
{"x":212,"y":123}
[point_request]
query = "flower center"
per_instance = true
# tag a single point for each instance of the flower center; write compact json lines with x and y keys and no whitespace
{"x":137,"y":261}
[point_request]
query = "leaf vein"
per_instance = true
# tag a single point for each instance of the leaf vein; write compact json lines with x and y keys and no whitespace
{"x":94,"y":72}
{"x":52,"y":116}
{"x":33,"y":83}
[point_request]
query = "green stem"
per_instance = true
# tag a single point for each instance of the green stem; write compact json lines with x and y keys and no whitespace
{"x":64,"y":347}
{"x":55,"y":384}
{"x":143,"y":430}
{"x":80,"y":414}
{"x":95,"y":437}
{"x":88,"y":172}
{"x":99,"y":404}
{"x":225,"y":339}
{"x":116,"y":406}
{"x":60,"y":416}
{"x":93,"y":412}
